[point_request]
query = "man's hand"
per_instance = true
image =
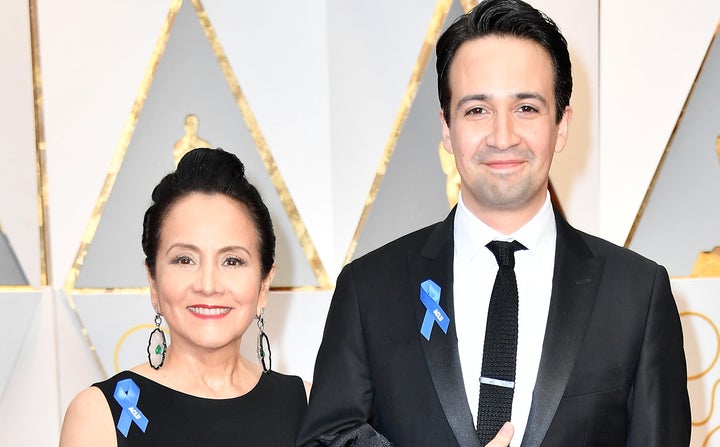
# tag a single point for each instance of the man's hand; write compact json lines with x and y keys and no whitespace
{"x":504,"y":436}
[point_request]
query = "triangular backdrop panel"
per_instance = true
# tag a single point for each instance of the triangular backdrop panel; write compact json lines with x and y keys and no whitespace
{"x":19,"y":310}
{"x":11,"y":273}
{"x":681,"y":218}
{"x":188,"y":80}
{"x":118,"y":326}
{"x":412,"y":192}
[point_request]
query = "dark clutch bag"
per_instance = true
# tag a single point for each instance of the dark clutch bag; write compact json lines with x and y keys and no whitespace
{"x":361,"y":436}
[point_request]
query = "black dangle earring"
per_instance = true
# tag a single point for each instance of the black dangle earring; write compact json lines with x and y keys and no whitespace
{"x":263,"y":344}
{"x":157,"y":345}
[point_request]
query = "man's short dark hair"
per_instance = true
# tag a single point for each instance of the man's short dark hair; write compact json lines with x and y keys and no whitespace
{"x":505,"y":18}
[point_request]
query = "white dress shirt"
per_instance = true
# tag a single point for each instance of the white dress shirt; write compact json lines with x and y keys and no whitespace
{"x":475,"y":268}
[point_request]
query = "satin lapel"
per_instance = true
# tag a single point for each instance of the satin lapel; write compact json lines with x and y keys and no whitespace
{"x":575,"y":282}
{"x":441,"y":354}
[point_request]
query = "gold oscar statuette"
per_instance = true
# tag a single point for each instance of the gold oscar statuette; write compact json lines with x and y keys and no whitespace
{"x":452,"y":182}
{"x":190,"y":140}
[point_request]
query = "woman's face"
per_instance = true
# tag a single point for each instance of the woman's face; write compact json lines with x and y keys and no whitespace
{"x":208,"y":283}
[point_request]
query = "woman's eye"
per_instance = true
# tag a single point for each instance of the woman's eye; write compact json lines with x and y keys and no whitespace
{"x":234,"y":261}
{"x":182,"y":260}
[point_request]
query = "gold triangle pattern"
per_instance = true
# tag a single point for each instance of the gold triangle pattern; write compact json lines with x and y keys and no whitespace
{"x":439,"y":16}
{"x":257,"y":137}
{"x":676,"y":222}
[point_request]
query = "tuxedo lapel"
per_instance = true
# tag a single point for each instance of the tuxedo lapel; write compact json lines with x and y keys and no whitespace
{"x":435,"y":262}
{"x":575,"y":282}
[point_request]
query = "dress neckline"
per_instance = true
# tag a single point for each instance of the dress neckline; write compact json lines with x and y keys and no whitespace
{"x":255,"y":389}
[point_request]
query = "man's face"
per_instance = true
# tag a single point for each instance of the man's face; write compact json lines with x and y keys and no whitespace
{"x":503,"y":130}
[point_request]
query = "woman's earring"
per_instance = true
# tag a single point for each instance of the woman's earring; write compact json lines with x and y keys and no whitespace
{"x":263,"y":344}
{"x":157,"y":346}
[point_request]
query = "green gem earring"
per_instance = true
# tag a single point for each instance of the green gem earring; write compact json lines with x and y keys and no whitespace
{"x":157,"y":345}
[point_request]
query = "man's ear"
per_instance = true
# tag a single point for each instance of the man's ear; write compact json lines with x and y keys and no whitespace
{"x":563,"y":129}
{"x":445,"y":133}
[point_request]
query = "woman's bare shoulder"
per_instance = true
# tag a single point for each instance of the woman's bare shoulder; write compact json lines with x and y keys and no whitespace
{"x":88,"y":421}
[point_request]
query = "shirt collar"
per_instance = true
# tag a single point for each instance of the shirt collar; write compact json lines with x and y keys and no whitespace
{"x":537,"y":235}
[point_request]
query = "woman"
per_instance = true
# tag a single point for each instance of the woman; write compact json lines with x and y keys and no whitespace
{"x":209,"y":247}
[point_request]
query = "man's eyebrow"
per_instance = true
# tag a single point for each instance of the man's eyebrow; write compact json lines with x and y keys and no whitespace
{"x":531,"y":95}
{"x":486,"y":97}
{"x":468,"y":98}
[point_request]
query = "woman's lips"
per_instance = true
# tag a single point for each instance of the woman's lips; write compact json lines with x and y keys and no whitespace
{"x":209,"y":312}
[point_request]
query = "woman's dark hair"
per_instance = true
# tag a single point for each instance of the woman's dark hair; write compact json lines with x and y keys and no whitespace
{"x":505,"y":18}
{"x":208,"y":171}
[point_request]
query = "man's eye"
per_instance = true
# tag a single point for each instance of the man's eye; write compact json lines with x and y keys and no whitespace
{"x":476,"y":111}
{"x":527,"y":109}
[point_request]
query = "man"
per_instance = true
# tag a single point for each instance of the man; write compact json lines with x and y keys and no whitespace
{"x":600,"y":356}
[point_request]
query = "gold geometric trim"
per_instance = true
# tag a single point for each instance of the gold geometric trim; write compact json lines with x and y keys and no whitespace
{"x":122,"y":147}
{"x":440,"y":13}
{"x":40,"y":165}
{"x":669,"y":143}
{"x":121,"y":340}
{"x":708,"y":369}
{"x":110,"y":291}
{"x":707,"y":438}
{"x":712,"y":406}
{"x":267,"y":158}
{"x":467,"y":5}
{"x":269,"y":162}
{"x":717,"y":338}
{"x":85,"y":334}
{"x":18,"y":289}
{"x":146,"y":290}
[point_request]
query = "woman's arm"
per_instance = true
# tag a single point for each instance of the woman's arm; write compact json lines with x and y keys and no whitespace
{"x":88,"y":421}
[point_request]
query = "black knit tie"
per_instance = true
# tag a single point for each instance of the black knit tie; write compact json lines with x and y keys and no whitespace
{"x":497,"y":378}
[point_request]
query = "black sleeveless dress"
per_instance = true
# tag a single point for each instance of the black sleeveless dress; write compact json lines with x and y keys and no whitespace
{"x":146,"y":413}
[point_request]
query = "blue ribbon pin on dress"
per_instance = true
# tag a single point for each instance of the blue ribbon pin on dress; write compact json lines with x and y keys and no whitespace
{"x":430,"y":297}
{"x":127,"y":394}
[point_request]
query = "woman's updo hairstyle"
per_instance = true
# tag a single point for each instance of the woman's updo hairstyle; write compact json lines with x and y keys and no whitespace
{"x":208,"y":171}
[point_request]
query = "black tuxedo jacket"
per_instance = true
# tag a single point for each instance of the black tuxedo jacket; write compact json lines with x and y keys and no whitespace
{"x":612,"y":371}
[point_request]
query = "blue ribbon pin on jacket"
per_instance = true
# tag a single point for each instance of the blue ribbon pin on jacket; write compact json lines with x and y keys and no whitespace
{"x":127,"y":394}
{"x":430,"y":297}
